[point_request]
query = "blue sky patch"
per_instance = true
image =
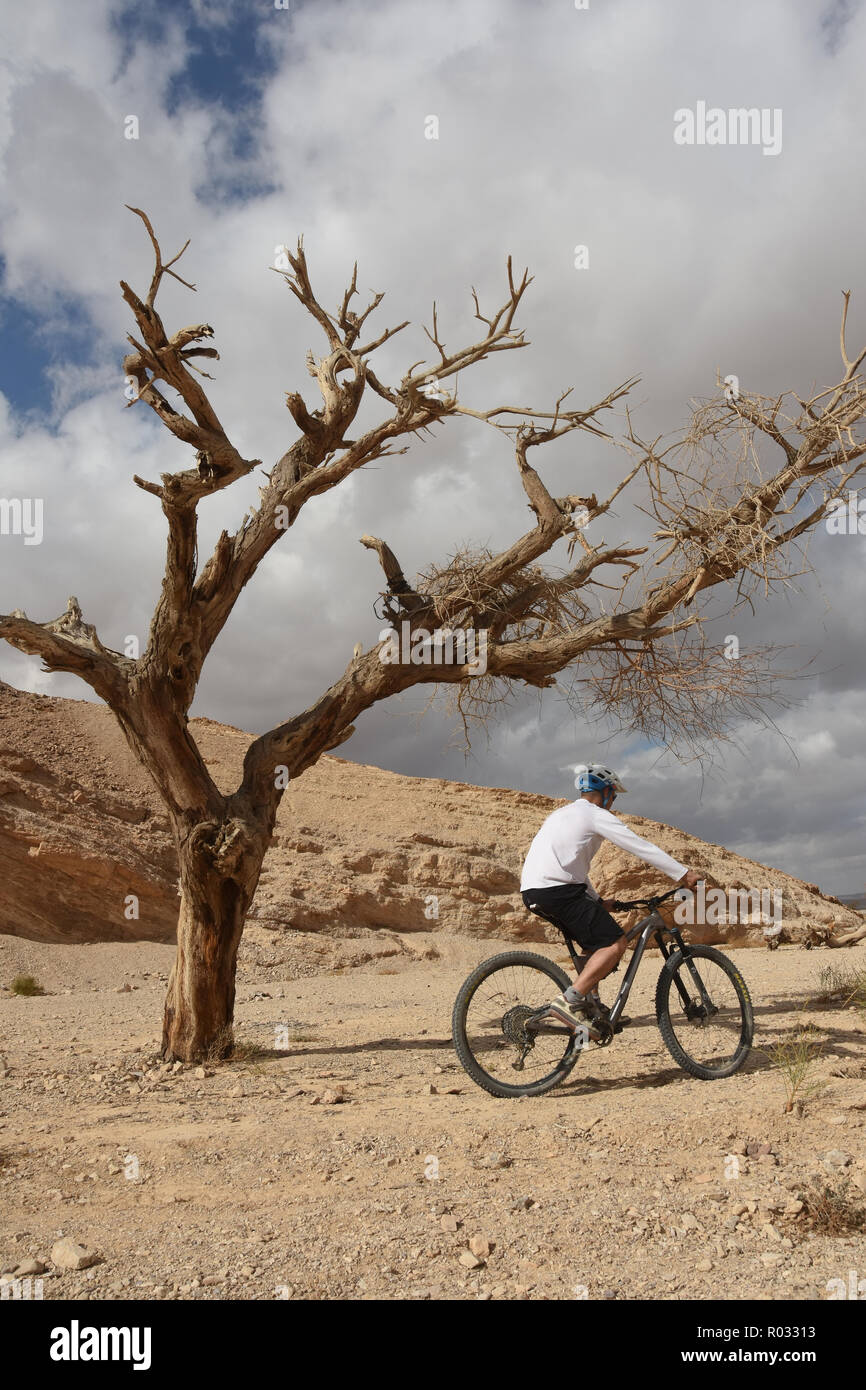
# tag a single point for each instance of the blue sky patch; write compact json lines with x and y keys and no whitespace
{"x":32,"y":342}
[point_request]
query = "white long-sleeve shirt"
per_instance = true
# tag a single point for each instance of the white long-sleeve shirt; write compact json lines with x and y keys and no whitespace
{"x":569,"y":839}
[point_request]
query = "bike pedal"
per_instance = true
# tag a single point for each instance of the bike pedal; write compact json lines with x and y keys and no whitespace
{"x":601,"y":1032}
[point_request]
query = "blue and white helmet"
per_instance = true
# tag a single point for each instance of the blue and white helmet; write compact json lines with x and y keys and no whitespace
{"x":593,"y":777}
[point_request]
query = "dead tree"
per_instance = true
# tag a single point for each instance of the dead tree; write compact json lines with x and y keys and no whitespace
{"x":849,"y":938}
{"x":632,"y":640}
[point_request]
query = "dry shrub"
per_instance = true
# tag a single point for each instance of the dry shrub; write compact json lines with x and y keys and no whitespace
{"x":832,"y":1209}
{"x":26,"y":985}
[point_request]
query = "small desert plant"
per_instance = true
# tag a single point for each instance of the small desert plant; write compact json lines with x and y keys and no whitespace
{"x":27,"y":985}
{"x":842,"y":985}
{"x":832,"y":1209}
{"x":251,"y":1054}
{"x":858,"y":988}
{"x":222,"y":1049}
{"x":831,"y":984}
{"x":794,"y":1057}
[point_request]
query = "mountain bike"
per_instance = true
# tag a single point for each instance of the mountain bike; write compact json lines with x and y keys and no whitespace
{"x":511,"y":1046}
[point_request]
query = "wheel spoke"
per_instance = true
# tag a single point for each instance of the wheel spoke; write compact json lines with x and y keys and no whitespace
{"x":495,"y":1031}
{"x":711,"y":1036}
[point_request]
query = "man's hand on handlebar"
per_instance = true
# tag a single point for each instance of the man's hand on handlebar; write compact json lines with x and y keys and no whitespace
{"x":690,"y":879}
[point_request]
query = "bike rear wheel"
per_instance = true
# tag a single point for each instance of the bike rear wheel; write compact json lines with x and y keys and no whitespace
{"x":489,"y":1029}
{"x":704,"y":1012}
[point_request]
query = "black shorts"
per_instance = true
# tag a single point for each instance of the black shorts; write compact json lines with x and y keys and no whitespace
{"x":578,"y":916}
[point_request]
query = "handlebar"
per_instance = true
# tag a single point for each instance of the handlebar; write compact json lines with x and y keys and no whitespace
{"x":617,"y":906}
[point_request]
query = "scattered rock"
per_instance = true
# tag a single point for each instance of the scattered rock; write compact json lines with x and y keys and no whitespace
{"x":835,"y":1160}
{"x":331,"y":1097}
{"x":522,"y":1204}
{"x":68,"y":1254}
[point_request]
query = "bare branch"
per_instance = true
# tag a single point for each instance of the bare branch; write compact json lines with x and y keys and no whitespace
{"x":68,"y":643}
{"x":850,"y":366}
{"x":398,"y":586}
{"x":323,"y":457}
{"x":160,"y":268}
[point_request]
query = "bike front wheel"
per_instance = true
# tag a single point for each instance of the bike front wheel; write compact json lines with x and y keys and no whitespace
{"x":489,"y":1026}
{"x":704,"y":1012}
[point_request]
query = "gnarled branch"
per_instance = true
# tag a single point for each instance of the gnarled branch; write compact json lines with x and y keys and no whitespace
{"x":68,"y":643}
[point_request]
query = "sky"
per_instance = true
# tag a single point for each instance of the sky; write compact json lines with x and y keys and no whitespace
{"x":255,"y":124}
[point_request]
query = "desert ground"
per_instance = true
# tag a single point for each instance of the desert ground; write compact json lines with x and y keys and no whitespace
{"x":358,"y":1161}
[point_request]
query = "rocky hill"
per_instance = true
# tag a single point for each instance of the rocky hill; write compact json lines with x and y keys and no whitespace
{"x":357,"y":851}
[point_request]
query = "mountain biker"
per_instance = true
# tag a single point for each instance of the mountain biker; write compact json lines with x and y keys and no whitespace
{"x":555,"y":884}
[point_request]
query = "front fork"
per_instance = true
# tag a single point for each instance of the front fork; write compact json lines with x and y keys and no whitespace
{"x":688,"y":960}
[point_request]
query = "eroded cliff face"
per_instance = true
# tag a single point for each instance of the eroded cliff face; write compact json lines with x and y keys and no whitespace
{"x":85,"y":846}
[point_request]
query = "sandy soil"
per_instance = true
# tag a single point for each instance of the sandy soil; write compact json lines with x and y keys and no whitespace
{"x":251,"y":1183}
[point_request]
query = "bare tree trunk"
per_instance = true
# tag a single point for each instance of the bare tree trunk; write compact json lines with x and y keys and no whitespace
{"x":219,"y":871}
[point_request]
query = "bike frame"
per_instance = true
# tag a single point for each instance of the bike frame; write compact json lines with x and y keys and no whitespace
{"x":653,"y":925}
